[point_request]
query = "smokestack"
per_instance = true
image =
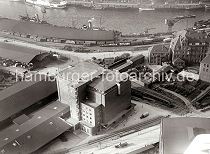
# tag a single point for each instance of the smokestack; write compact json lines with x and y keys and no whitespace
{"x":90,"y":24}
{"x":118,"y":88}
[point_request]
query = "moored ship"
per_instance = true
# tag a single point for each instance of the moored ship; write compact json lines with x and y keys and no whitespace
{"x":193,"y":6}
{"x":58,"y":4}
{"x":48,"y":31}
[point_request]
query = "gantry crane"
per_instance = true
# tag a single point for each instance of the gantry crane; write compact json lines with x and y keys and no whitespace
{"x":171,"y":22}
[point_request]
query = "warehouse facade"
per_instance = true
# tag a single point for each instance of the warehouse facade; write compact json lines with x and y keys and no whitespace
{"x":95,"y":102}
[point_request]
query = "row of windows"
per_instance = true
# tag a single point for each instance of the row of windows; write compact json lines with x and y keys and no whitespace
{"x":206,"y":65}
{"x":205,"y":70}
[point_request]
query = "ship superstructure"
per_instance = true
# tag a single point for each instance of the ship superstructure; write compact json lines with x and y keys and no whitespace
{"x":59,"y":4}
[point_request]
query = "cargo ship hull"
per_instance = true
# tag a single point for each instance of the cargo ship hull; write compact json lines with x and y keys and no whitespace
{"x":180,"y":7}
{"x":49,"y":31}
{"x":46,"y":4}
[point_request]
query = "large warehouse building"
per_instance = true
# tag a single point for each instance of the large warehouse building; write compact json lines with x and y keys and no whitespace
{"x":22,"y":95}
{"x":96,"y":98}
{"x":29,"y":115}
{"x":30,"y":132}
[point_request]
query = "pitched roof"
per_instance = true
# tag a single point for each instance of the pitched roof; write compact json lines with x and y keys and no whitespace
{"x":178,"y":60}
{"x":160,"y":48}
{"x":18,"y":53}
{"x":206,"y":60}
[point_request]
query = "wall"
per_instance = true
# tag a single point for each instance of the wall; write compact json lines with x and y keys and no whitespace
{"x":114,"y":103}
{"x":204,"y":74}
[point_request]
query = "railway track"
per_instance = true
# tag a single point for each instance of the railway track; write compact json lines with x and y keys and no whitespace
{"x":115,"y":135}
{"x":175,"y":105}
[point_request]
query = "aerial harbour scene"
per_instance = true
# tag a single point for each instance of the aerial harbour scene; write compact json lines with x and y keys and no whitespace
{"x":104,"y":76}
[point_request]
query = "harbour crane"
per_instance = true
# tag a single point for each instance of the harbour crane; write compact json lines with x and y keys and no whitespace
{"x":172,"y":21}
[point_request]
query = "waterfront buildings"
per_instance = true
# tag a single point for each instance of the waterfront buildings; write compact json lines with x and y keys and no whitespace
{"x":96,"y":99}
{"x":190,"y":46}
{"x":158,"y":54}
{"x":204,"y":73}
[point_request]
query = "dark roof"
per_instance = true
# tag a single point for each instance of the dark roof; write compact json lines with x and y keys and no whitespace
{"x":43,"y":126}
{"x":206,"y":60}
{"x":160,"y":48}
{"x":124,"y":67}
{"x":47,"y":30}
{"x":135,"y":58}
{"x":24,"y":94}
{"x":18,"y":53}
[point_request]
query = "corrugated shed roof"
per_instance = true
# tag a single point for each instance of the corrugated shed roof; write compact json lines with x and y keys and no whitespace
{"x":22,"y":95}
{"x":44,"y":126}
{"x":47,"y":30}
{"x":135,"y":58}
{"x":18,"y":53}
{"x":123,"y":66}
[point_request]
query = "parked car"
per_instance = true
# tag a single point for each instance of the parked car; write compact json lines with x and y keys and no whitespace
{"x":121,"y":145}
{"x":144,"y":115}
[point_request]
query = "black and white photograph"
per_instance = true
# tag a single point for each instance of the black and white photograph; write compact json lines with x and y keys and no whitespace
{"x":104,"y":76}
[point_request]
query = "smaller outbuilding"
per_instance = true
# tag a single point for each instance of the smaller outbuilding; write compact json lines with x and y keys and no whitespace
{"x":158,"y":54}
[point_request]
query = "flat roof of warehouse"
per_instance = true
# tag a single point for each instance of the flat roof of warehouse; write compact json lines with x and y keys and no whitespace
{"x":52,"y":31}
{"x":18,"y":53}
{"x":37,"y":122}
{"x":24,"y":94}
